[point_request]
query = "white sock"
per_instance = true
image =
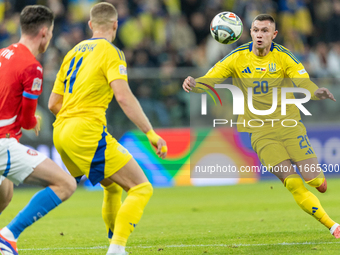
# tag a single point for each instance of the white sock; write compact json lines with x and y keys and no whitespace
{"x":115,"y":248}
{"x":333,"y":228}
{"x":5,"y":232}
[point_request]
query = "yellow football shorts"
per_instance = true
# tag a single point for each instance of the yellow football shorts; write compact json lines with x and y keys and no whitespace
{"x":87,"y":148}
{"x":278,"y":144}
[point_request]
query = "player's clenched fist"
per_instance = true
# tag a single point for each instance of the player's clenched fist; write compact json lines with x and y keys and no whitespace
{"x":158,"y":142}
{"x":188,"y":84}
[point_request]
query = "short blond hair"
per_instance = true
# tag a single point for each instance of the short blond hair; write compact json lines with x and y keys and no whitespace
{"x":103,"y":14}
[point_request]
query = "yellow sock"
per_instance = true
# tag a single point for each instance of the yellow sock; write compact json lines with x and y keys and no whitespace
{"x":130,"y":212}
{"x":307,"y":200}
{"x":111,"y":204}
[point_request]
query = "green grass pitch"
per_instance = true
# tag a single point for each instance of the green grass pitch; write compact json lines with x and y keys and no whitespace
{"x":260,"y":218}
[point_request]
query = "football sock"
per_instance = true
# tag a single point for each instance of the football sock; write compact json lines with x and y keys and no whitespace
{"x":5,"y":232}
{"x":333,"y":228}
{"x":130,"y":212}
{"x":307,"y":200}
{"x":115,"y":248}
{"x":111,"y":204}
{"x":40,"y":204}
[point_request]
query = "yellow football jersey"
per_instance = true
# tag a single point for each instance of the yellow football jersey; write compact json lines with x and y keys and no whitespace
{"x":279,"y":68}
{"x":84,"y":79}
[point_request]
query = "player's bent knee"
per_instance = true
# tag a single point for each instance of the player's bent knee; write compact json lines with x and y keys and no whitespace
{"x":143,"y":190}
{"x":318,"y":181}
{"x":72,"y":185}
{"x":293,"y":182}
{"x":68,"y":187}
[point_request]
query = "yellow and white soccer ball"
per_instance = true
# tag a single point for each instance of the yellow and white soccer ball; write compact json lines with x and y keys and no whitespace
{"x":226,"y":27}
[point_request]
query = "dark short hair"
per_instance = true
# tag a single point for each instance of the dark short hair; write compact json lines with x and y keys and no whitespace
{"x":262,"y":17}
{"x":33,"y":17}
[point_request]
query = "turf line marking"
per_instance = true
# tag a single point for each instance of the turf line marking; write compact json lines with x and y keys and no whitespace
{"x":179,"y":246}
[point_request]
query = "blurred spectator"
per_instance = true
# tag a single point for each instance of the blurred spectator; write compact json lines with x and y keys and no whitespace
{"x":334,"y":61}
{"x":2,"y":10}
{"x":319,"y":62}
{"x":214,"y":52}
{"x":323,"y":11}
{"x":190,"y":6}
{"x":200,"y":25}
{"x":333,"y":27}
{"x":142,"y":59}
{"x":18,"y":5}
{"x":80,"y":9}
{"x":154,"y":109}
{"x":296,"y":24}
{"x":180,"y":36}
{"x":4,"y":36}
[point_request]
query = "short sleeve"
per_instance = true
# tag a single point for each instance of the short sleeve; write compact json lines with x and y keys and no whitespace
{"x":115,"y":65}
{"x":59,"y":86}
{"x":217,"y":74}
{"x":32,"y":79}
{"x":298,"y":74}
{"x":294,"y":68}
{"x":222,"y":69}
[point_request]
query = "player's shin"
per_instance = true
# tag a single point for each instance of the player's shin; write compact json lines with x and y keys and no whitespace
{"x":307,"y":200}
{"x":40,"y":204}
{"x":112,"y":202}
{"x":130,"y":213}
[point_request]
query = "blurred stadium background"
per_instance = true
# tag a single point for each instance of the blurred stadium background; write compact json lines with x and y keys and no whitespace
{"x":164,"y":41}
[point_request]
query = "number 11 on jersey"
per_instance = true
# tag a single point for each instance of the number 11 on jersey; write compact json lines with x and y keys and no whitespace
{"x":74,"y":74}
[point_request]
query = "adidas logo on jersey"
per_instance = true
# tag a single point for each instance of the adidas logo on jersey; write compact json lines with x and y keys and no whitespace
{"x":310,"y":151}
{"x":246,"y":70}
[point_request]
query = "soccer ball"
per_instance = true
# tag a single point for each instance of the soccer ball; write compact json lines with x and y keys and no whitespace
{"x":226,"y":27}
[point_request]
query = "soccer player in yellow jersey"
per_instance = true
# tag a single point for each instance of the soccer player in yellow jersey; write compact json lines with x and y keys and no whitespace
{"x":263,"y":66}
{"x":91,"y":73}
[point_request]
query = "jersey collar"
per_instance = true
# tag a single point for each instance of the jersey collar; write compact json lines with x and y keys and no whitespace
{"x":258,"y":57}
{"x":96,"y":38}
{"x":251,"y":47}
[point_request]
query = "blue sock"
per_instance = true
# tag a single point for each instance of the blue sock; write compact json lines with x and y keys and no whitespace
{"x":40,"y":204}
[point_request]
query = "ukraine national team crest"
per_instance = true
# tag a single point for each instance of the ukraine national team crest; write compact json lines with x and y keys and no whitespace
{"x":272,"y":68}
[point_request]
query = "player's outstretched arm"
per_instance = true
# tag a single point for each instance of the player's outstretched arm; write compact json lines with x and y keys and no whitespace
{"x":131,"y":107}
{"x":323,"y":93}
{"x":55,"y":103}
